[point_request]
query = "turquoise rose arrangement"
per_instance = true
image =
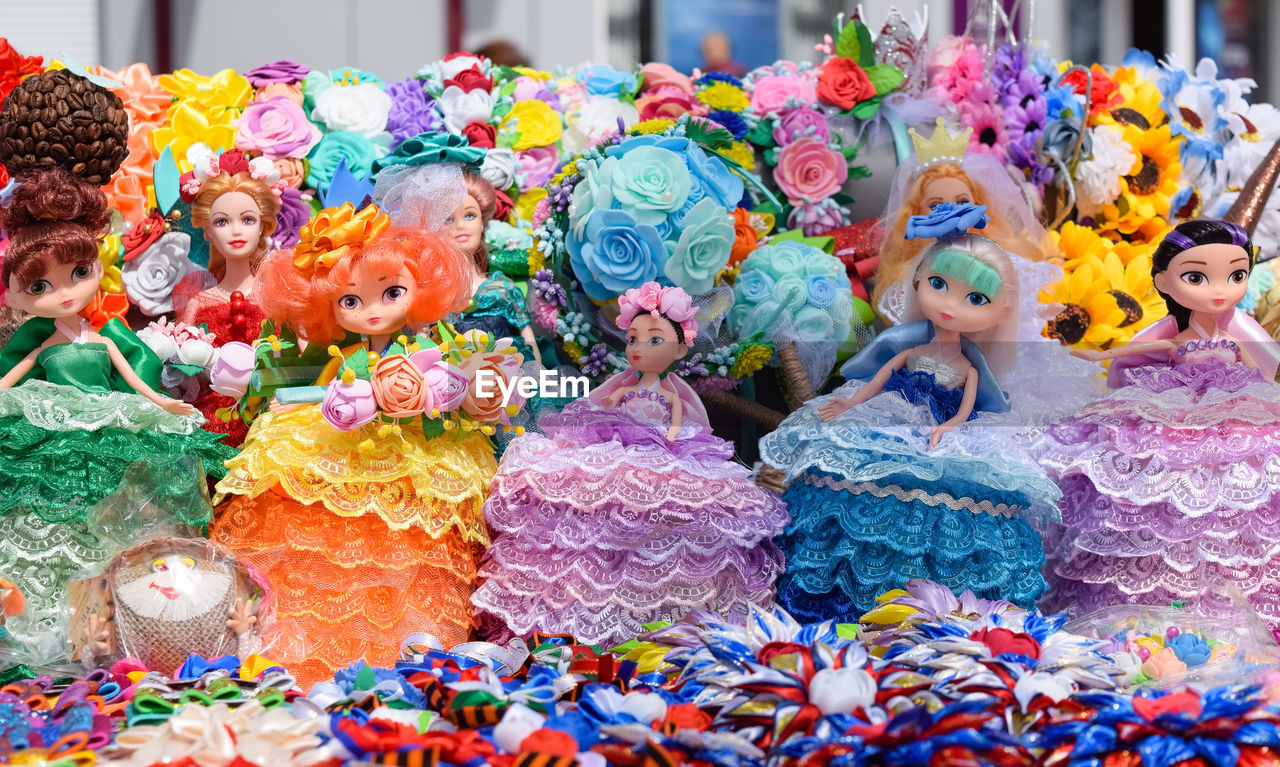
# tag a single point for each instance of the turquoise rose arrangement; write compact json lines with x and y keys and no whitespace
{"x":654,"y":204}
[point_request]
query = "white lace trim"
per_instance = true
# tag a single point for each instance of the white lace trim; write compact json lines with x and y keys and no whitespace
{"x":911,"y":496}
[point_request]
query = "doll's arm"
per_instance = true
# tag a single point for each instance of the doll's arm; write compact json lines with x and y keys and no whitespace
{"x":1128,"y":350}
{"x":1245,"y":357}
{"x":677,"y":415}
{"x":177,"y":407}
{"x":838,"y":405}
{"x":613,"y":399}
{"x":21,"y":369}
{"x":962,"y":415}
{"x":526,"y":333}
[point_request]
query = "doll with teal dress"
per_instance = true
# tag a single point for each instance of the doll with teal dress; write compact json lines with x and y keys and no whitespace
{"x":908,"y":470}
{"x":77,"y":406}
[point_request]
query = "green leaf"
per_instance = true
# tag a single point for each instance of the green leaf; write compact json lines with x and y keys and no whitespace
{"x":850,"y":153}
{"x":884,"y":77}
{"x":187,"y":369}
{"x":859,"y":171}
{"x":866,"y":51}
{"x":849,"y":43}
{"x":840,"y":198}
{"x":432,"y":427}
{"x":868,"y":108}
{"x":762,"y":134}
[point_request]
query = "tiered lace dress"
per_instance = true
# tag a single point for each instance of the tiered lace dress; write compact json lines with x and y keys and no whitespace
{"x":1171,"y":487}
{"x":602,"y":525}
{"x":872,"y":507}
{"x":366,"y":538}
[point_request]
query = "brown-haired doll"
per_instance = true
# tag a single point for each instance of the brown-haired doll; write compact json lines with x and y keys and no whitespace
{"x":76,"y":406}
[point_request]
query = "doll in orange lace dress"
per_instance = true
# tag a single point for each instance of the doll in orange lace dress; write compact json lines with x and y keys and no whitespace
{"x":368,"y":534}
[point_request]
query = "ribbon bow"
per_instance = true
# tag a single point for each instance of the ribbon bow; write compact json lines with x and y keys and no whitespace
{"x":327,"y":238}
{"x":434,"y":148}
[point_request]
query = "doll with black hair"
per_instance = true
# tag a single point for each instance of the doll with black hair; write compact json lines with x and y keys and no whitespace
{"x":1171,"y":483}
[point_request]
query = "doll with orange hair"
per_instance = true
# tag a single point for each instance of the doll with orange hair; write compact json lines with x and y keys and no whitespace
{"x":369,"y":534}
{"x":942,"y":172}
{"x":234,"y":201}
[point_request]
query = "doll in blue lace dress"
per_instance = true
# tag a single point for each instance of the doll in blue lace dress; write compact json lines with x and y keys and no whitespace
{"x":908,"y":470}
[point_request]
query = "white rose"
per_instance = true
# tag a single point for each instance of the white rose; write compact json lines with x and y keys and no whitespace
{"x":461,"y":108}
{"x":499,"y":168}
{"x":597,"y":119}
{"x":842,"y":690}
{"x":199,"y":353}
{"x":163,"y":345}
{"x":451,"y":68}
{"x":359,"y":109}
{"x":150,"y":278}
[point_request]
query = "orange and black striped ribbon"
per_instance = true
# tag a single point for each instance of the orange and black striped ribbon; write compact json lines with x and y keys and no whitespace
{"x":544,"y":760}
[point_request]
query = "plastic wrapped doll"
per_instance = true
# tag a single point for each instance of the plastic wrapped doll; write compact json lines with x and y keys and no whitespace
{"x":234,"y":201}
{"x":368,"y":535}
{"x":1171,"y":487}
{"x":898,"y":473}
{"x":497,"y":306}
{"x":76,"y":406}
{"x":943,"y":172}
{"x":628,"y":510}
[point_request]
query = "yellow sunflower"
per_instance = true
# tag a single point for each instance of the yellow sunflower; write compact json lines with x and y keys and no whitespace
{"x":1150,"y":184}
{"x":1075,"y":241}
{"x":1140,"y":105}
{"x":1104,"y":300}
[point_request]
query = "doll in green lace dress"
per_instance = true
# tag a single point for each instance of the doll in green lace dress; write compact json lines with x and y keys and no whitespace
{"x":77,"y":406}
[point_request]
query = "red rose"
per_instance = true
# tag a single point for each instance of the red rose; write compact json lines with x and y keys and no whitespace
{"x":233,"y":161}
{"x":14,"y":66}
{"x":470,"y":80}
{"x":842,"y":83}
{"x":502,"y":206}
{"x":481,"y":134}
{"x":1000,"y":640}
{"x":1104,"y":93}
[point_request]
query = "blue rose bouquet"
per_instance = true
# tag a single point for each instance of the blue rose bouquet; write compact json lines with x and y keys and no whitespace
{"x":655,"y":204}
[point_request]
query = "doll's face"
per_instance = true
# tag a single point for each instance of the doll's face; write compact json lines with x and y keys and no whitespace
{"x":946,"y":189}
{"x":61,"y":292}
{"x":235,"y":225}
{"x":953,"y":304}
{"x":466,"y":226}
{"x":1206,"y":278}
{"x":652,"y":344}
{"x":377,"y":303}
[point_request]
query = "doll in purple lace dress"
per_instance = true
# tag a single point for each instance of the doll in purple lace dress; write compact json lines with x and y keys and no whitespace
{"x":627,"y":510}
{"x":1171,"y":482}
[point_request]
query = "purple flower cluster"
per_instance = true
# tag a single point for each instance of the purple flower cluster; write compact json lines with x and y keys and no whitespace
{"x":293,"y":215}
{"x":596,"y":361}
{"x":412,"y":111}
{"x":692,"y":367}
{"x":276,"y":72}
{"x":546,"y":288}
{"x":1026,"y":111}
{"x":560,"y":195}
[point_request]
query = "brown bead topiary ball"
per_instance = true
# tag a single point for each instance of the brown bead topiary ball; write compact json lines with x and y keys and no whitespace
{"x":59,"y":120}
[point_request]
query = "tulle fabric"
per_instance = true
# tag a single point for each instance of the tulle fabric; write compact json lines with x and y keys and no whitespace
{"x":63,"y":450}
{"x":421,"y":196}
{"x":602,"y":525}
{"x":363,"y":547}
{"x":1171,"y":490}
{"x":872,"y":506}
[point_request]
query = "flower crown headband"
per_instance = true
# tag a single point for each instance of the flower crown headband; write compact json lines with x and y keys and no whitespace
{"x":205,"y":164}
{"x":328,"y":237}
{"x":672,"y":303}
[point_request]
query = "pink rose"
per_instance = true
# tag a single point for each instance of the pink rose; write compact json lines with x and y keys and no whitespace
{"x":348,"y":406}
{"x":291,"y":91}
{"x":676,"y":305}
{"x":541,"y":212}
{"x":277,"y":128}
{"x":658,"y":75}
{"x":291,"y":171}
{"x":231,"y":373}
{"x":809,"y":172}
{"x":669,"y":102}
{"x":545,"y":313}
{"x":491,"y":367}
{"x":538,"y":166}
{"x":799,"y":123}
{"x":446,"y":384}
{"x":770,"y":94}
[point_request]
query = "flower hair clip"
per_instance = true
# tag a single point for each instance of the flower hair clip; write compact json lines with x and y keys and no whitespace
{"x":205,"y":164}
{"x":327,"y":238}
{"x":670,"y":302}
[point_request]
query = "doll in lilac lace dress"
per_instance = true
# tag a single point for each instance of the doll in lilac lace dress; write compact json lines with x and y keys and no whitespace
{"x":627,"y":510}
{"x":1171,"y":482}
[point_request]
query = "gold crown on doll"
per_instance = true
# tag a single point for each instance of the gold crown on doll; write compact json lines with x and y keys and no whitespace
{"x":940,"y":147}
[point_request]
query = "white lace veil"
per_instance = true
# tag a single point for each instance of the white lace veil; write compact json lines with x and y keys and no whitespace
{"x":423,"y":196}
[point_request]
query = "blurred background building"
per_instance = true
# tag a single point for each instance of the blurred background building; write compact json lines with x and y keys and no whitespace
{"x":394,"y":37}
